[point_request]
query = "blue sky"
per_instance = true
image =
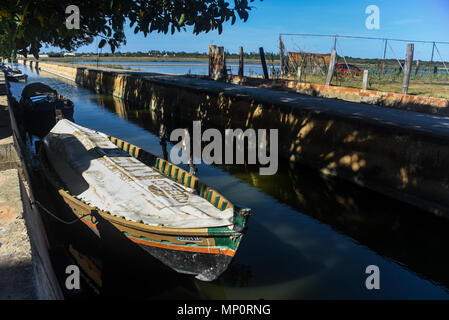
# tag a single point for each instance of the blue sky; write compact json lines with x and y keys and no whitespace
{"x":412,"y":19}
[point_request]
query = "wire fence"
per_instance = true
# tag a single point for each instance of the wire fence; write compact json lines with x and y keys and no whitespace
{"x":306,"y":58}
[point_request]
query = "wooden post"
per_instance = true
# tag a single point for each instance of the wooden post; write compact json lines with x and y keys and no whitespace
{"x":264,"y":64}
{"x":281,"y":56}
{"x":299,"y":74}
{"x":332,"y":63}
{"x":211,"y":60}
{"x":365,"y":80}
{"x":417,"y":68}
{"x":383,"y":60}
{"x":220,"y":61}
{"x":407,"y":67}
{"x":431,"y":59}
{"x":241,"y":61}
{"x":216,"y":62}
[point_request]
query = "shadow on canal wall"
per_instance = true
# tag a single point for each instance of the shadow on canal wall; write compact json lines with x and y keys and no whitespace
{"x":406,"y":164}
{"x":391,"y":228}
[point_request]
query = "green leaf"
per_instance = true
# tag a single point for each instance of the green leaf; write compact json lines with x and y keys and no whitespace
{"x":102,"y":43}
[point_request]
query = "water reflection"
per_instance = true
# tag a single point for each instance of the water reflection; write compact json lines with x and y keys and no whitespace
{"x":409,"y":236}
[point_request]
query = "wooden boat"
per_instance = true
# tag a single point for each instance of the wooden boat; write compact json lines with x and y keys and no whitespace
{"x":40,"y":107}
{"x":16,"y":77}
{"x":14,"y":74}
{"x":198,"y":245}
{"x":6,"y":67}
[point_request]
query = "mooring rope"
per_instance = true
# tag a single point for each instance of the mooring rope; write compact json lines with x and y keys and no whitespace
{"x":57,"y":218}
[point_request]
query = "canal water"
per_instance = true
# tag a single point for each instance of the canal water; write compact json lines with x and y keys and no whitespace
{"x":309,"y":236}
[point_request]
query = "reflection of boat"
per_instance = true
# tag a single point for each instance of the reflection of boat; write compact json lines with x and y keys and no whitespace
{"x":40,"y":106}
{"x":91,"y":270}
{"x":161,"y":207}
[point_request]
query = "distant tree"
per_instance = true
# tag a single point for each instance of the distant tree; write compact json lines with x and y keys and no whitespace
{"x":26,"y":25}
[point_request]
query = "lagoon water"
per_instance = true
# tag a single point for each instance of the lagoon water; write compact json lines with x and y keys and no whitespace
{"x":309,"y":236}
{"x":184,"y":67}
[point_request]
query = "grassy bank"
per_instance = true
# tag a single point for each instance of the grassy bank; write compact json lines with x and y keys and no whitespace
{"x":436,"y":88}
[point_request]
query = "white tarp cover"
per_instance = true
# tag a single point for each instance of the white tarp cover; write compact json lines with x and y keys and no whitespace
{"x":104,"y":176}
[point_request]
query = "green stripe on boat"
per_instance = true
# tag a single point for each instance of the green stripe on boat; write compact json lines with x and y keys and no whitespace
{"x":169,"y":171}
{"x":217,"y":200}
{"x":183,"y":175}
{"x":223,"y":205}
{"x":203,"y":189}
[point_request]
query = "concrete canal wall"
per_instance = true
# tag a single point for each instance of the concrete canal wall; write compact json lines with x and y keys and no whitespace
{"x":25,"y":268}
{"x":399,"y":153}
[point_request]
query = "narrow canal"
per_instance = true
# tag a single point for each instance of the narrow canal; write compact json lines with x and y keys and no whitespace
{"x":309,"y":236}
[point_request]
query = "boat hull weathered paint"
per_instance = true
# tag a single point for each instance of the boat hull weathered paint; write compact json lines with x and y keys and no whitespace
{"x":203,"y":252}
{"x":40,"y":115}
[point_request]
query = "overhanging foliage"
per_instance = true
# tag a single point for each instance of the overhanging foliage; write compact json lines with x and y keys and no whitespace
{"x":26,"y":25}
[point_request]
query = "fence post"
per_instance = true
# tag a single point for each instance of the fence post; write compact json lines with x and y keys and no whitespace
{"x":332,"y":63}
{"x":216,"y":62}
{"x":431,"y":59}
{"x":407,"y":67}
{"x":365,"y":80}
{"x":417,"y":68}
{"x":240,"y":61}
{"x":298,"y":74}
{"x":211,"y":60}
{"x":281,"y":56}
{"x":264,"y":64}
{"x":383,"y":60}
